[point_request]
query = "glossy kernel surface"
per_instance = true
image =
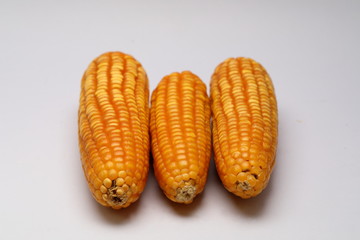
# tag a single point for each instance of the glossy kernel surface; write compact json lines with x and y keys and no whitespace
{"x":180,"y":133}
{"x":114,"y":129}
{"x":245,"y":125}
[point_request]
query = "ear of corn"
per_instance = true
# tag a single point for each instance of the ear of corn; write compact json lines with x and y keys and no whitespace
{"x":245,"y":124}
{"x":113,"y":129}
{"x":180,"y":132}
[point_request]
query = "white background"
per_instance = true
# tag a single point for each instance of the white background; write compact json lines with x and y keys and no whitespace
{"x":311,"y":50}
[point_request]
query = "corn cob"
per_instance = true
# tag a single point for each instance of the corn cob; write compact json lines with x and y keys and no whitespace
{"x":180,"y":135}
{"x":245,"y":124}
{"x":113,"y":129}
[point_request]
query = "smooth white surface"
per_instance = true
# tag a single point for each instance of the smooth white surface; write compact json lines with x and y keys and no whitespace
{"x":311,"y":50}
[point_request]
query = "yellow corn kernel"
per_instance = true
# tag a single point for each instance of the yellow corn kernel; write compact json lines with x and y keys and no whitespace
{"x":245,"y":125}
{"x":113,"y":129}
{"x":180,"y":135}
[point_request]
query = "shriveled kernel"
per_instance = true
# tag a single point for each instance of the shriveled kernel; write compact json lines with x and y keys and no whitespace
{"x":243,"y":186}
{"x":119,"y":181}
{"x":105,"y":197}
{"x":119,"y":191}
{"x":107,"y":182}
{"x":103,"y":189}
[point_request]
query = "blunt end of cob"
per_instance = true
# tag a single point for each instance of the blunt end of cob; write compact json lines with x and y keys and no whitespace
{"x":250,"y":185}
{"x":186,"y":194}
{"x":244,"y":190}
{"x":243,"y":186}
{"x":119,"y":194}
{"x":116,"y":196}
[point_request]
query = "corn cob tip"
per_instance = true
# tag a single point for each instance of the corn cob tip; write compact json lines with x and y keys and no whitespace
{"x":245,"y":190}
{"x":185,"y":194}
{"x":117,"y":195}
{"x":243,"y":186}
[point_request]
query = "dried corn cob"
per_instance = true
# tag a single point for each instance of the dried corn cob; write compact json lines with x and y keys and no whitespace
{"x":180,"y":135}
{"x":245,"y":124}
{"x":113,"y":129}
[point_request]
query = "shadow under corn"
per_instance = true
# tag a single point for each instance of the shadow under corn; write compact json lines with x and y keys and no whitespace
{"x":184,"y":210}
{"x":120,"y":216}
{"x":256,"y":206}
